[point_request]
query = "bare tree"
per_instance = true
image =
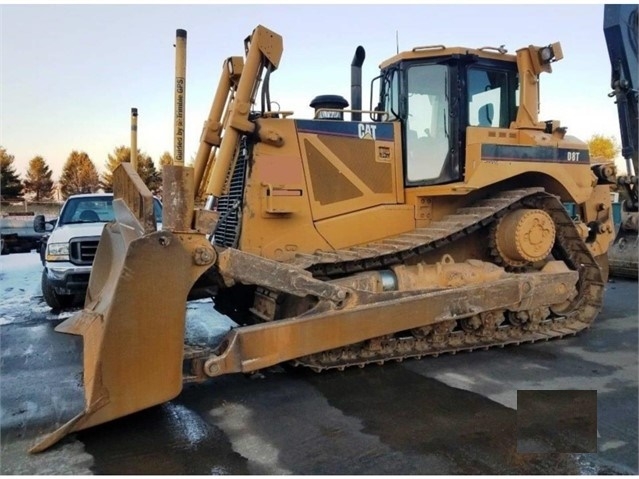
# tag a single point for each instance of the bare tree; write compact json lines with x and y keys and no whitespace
{"x":605,"y":147}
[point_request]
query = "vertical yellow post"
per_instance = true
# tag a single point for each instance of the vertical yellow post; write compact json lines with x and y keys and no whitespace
{"x":180,"y":96}
{"x":134,"y":138}
{"x":177,"y":180}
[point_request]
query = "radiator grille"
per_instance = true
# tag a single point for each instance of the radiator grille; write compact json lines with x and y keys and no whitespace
{"x":82,"y":250}
{"x":359,"y":157}
{"x":227,"y":232}
{"x":329,"y":184}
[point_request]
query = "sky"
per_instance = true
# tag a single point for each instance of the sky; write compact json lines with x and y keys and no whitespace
{"x":70,"y":74}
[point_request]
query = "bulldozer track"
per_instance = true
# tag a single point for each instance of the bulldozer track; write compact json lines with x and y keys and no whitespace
{"x":454,"y":336}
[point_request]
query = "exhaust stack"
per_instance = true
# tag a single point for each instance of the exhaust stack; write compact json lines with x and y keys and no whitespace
{"x":356,"y":83}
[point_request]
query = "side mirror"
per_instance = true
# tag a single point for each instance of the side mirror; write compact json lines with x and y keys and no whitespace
{"x":42,"y":226}
{"x":39,"y":224}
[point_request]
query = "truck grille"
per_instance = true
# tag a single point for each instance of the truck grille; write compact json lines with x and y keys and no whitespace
{"x":82,"y":250}
{"x":227,"y":232}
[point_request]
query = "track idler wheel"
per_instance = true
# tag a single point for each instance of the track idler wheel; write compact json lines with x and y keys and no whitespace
{"x":524,"y":236}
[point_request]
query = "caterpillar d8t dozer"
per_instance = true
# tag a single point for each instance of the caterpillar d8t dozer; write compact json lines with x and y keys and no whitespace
{"x":434,"y":224}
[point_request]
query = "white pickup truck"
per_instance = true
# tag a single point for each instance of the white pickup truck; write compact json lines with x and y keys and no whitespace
{"x":72,"y":243}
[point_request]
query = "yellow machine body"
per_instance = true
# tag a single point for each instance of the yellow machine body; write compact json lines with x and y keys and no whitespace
{"x":325,"y":191}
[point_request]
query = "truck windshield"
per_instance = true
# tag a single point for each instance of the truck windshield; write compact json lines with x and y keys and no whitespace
{"x":95,"y":209}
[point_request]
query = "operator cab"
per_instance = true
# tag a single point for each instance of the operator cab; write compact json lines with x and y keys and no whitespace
{"x":436,"y":93}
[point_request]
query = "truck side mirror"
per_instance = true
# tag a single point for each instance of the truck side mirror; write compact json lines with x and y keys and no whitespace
{"x":39,"y":224}
{"x":42,"y":226}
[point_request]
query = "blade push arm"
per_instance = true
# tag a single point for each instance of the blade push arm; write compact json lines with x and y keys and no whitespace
{"x":229,"y":115}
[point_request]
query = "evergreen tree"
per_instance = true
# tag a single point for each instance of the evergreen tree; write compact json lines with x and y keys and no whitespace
{"x":151,"y":177}
{"x":38,"y":181}
{"x":10,"y":183}
{"x":120,"y":154}
{"x":79,"y":175}
{"x":146,"y":169}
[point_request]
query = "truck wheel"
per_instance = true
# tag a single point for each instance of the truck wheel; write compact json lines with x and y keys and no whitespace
{"x":53,"y":299}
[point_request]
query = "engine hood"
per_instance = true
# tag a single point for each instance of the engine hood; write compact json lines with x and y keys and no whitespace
{"x":66,"y":233}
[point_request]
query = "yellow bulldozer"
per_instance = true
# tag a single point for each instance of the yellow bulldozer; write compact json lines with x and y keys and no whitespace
{"x":431,"y":222}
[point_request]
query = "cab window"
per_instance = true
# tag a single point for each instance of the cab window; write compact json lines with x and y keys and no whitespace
{"x":427,"y":123}
{"x":492,"y":97}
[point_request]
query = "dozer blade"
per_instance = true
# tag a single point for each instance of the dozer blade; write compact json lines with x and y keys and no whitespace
{"x":623,"y":255}
{"x":133,"y":320}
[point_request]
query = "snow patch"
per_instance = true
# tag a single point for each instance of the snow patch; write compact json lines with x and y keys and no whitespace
{"x":204,"y":325}
{"x":20,"y":293}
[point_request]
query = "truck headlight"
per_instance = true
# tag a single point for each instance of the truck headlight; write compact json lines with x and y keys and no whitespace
{"x":58,"y":252}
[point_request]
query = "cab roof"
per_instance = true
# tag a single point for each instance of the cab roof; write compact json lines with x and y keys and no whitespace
{"x":434,"y":51}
